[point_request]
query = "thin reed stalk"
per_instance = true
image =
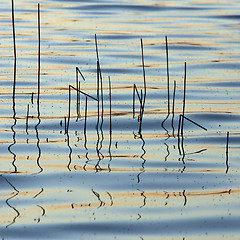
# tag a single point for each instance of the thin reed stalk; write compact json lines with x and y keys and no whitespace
{"x":168,"y":91}
{"x":39,"y":53}
{"x":184,"y":96}
{"x":144,"y":75}
{"x":14,"y":51}
{"x":85,"y":119}
{"x":179,"y":127}
{"x":173,"y":107}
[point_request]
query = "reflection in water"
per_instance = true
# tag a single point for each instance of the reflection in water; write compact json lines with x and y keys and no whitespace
{"x":38,"y":193}
{"x":7,"y":201}
{"x":70,"y":152}
{"x":38,"y":97}
{"x":185,"y":198}
{"x":13,"y":96}
{"x":99,"y":199}
{"x":144,"y":199}
{"x":227,"y":167}
{"x":168,"y":153}
{"x":43,"y":210}
{"x":111,"y":199}
{"x":139,"y":136}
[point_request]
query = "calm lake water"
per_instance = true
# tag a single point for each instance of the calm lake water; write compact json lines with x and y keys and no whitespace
{"x":117,"y":175}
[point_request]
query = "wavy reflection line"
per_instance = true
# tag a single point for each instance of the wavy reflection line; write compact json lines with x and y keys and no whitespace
{"x":142,"y":156}
{"x":168,"y":153}
{"x":144,"y":198}
{"x":9,"y":205}
{"x":227,"y":166}
{"x":70,"y":152}
{"x":38,"y":96}
{"x":111,"y":199}
{"x":38,"y":193}
{"x":38,"y":145}
{"x":14,"y":89}
{"x":14,"y":141}
{"x":98,"y":197}
{"x":43,"y":210}
{"x":185,"y":198}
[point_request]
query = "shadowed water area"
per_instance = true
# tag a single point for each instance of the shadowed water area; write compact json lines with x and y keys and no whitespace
{"x":119,"y":120}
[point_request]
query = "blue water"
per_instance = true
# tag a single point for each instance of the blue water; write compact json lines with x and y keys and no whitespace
{"x":115,"y":176}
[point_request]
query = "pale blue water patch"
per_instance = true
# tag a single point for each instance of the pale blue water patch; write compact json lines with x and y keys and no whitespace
{"x":115,"y":182}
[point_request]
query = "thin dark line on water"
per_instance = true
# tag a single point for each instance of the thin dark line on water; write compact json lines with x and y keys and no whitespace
{"x":27,"y":119}
{"x":144,"y":198}
{"x":173,"y":107}
{"x":168,"y":153}
{"x":7,"y":201}
{"x":144,"y":77}
{"x":141,"y":113}
{"x":38,"y":96}
{"x":70,"y":152}
{"x":85,"y":126}
{"x":184,"y":97}
{"x":14,"y":50}
{"x":38,"y":193}
{"x":110,"y":123}
{"x":39,"y":53}
{"x":14,"y":90}
{"x":133,"y":101}
{"x":167,"y":75}
{"x":185,"y":198}
{"x":199,"y":151}
{"x":139,"y":136}
{"x":96,"y":45}
{"x":98,"y":197}
{"x":168,"y":90}
{"x":139,"y":98}
{"x":32,"y":97}
{"x":227,"y":166}
{"x":194,"y":123}
{"x":43,"y":210}
{"x":78,"y":87}
{"x":15,"y":189}
{"x":98,"y":106}
{"x":17,"y":212}
{"x":65,"y":124}
{"x":111,"y":199}
{"x":70,"y":86}
{"x":179,"y":141}
{"x":69,"y":102}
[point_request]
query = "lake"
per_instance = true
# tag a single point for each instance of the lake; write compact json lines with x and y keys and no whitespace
{"x":120,"y":119}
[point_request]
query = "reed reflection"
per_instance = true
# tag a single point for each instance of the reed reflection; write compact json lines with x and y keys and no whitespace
{"x":14,"y":90}
{"x":38,"y":96}
{"x":8,"y":199}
